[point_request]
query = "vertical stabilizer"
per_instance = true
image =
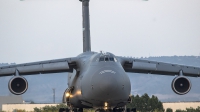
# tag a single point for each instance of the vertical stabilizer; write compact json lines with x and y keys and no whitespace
{"x":86,"y":26}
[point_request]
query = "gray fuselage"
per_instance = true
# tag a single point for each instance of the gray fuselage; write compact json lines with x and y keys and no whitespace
{"x":99,"y":79}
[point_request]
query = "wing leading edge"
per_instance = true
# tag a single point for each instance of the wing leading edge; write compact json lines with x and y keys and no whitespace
{"x":154,"y":67}
{"x":41,"y":67}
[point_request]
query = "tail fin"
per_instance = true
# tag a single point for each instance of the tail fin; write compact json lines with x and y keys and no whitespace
{"x":86,"y":26}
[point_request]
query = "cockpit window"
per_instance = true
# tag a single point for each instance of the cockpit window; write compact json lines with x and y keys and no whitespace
{"x":101,"y":59}
{"x":107,"y":58}
{"x":111,"y":59}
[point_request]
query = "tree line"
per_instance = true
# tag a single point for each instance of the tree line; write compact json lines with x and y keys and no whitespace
{"x":50,"y":108}
{"x":187,"y":110}
{"x":146,"y":103}
{"x":142,"y":103}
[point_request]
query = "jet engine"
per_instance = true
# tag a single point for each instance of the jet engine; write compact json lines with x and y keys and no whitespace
{"x":18,"y":85}
{"x":181,"y":85}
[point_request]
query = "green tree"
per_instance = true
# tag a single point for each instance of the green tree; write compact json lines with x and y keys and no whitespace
{"x":136,"y":101}
{"x":61,"y":106}
{"x":169,"y":110}
{"x":158,"y":110}
{"x":19,"y":110}
{"x":191,"y":109}
{"x":54,"y":109}
{"x":146,"y":104}
{"x":50,"y":108}
{"x":179,"y":110}
{"x":37,"y":109}
{"x":46,"y":108}
{"x":198,"y":109}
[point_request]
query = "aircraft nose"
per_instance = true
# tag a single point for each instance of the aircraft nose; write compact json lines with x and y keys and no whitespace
{"x":108,"y":82}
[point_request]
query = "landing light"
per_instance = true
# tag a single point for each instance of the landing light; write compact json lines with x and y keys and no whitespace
{"x":106,"y":108}
{"x":78,"y":92}
{"x":106,"y":104}
{"x":67,"y":94}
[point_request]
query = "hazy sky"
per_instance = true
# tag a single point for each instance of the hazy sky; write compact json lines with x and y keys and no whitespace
{"x":35,"y":30}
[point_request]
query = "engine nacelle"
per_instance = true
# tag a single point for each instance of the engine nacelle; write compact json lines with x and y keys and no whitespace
{"x":18,"y":85}
{"x":181,"y":85}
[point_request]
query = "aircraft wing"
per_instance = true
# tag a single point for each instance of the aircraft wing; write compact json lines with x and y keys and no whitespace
{"x":41,"y":67}
{"x":154,"y":67}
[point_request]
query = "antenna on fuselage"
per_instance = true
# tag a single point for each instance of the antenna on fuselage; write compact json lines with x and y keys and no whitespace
{"x":86,"y":26}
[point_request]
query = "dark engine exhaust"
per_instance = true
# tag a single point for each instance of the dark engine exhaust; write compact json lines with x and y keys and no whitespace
{"x":18,"y":85}
{"x":181,"y":85}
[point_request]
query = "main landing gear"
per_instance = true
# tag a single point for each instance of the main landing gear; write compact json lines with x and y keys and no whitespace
{"x":98,"y":110}
{"x":70,"y":110}
{"x":131,"y":110}
{"x":117,"y":110}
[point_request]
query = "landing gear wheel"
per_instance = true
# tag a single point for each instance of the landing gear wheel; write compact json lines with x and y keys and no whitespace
{"x":109,"y":110}
{"x":61,"y":110}
{"x":66,"y":110}
{"x":121,"y":110}
{"x":128,"y":110}
{"x":133,"y":110}
{"x":118,"y":110}
{"x":74,"y":110}
{"x":114,"y":110}
{"x":80,"y":110}
{"x":100,"y":110}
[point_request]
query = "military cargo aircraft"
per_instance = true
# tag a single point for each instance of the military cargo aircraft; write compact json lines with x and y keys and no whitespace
{"x":98,"y":80}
